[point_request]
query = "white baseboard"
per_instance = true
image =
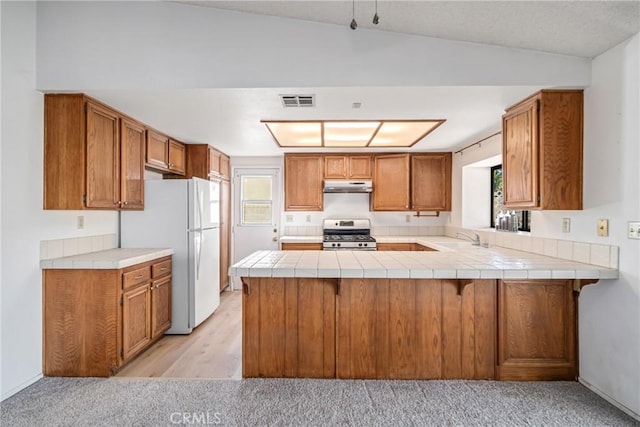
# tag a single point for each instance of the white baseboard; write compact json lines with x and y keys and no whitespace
{"x":20,"y":387}
{"x":609,"y":399}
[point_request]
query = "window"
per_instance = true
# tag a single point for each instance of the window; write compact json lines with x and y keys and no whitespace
{"x":257,"y":200}
{"x":496,"y":202}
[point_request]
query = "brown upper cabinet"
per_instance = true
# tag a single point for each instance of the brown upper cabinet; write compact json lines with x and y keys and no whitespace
{"x":165,"y":154}
{"x":542,"y":151}
{"x":431,"y":182}
{"x":390,"y":183}
{"x":348,"y":166}
{"x":93,"y":156}
{"x":303,"y":182}
{"x":204,"y":161}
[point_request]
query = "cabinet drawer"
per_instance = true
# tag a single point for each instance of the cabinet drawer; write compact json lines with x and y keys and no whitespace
{"x":161,"y":269}
{"x":135,"y":277}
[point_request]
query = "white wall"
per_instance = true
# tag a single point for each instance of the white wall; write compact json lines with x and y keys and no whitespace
{"x":113,"y":45}
{"x":24,"y":223}
{"x":476,"y":197}
{"x":609,"y":311}
{"x":609,"y":323}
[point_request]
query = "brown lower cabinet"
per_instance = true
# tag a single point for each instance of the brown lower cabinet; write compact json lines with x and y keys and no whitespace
{"x":409,"y":328}
{"x":95,"y":321}
{"x":537,"y":330}
{"x":301,"y":246}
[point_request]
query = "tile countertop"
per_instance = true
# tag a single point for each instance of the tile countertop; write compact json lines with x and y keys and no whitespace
{"x":112,"y":259}
{"x":454,"y":259}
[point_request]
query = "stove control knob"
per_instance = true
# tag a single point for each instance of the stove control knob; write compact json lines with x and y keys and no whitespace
{"x":338,"y":244}
{"x":360,"y":244}
{"x":333,"y":245}
{"x":366,"y":244}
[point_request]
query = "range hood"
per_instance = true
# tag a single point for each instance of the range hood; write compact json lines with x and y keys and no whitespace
{"x":347,"y":186}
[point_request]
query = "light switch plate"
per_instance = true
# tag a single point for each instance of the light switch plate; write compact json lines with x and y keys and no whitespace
{"x":634,"y":230}
{"x":566,"y":225}
{"x":289,"y":218}
{"x":603,"y":227}
{"x":80,"y":222}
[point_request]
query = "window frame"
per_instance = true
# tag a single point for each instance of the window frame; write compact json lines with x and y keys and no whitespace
{"x":526,"y":215}
{"x":256,"y":201}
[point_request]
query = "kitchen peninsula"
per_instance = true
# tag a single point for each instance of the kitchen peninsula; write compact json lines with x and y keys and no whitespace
{"x":460,"y":311}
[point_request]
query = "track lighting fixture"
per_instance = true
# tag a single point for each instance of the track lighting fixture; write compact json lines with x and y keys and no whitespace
{"x":353,"y":24}
{"x":376,"y":18}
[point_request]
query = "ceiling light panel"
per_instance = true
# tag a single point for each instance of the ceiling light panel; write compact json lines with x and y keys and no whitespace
{"x":296,"y":134}
{"x":349,"y":134}
{"x":398,"y":133}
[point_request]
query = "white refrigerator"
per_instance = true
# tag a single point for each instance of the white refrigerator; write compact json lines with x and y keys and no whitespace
{"x":183,"y":214}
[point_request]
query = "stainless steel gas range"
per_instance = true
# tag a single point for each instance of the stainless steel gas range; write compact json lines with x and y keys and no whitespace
{"x":347,"y":234}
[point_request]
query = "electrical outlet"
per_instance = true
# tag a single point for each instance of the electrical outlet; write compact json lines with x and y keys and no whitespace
{"x":566,"y":225}
{"x":603,"y":227}
{"x":289,"y":218}
{"x":634,"y":230}
{"x":80,"y":222}
{"x":308,"y":218}
{"x":407,"y":218}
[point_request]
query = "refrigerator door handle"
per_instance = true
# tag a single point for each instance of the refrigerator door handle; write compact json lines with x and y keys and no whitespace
{"x":198,"y":242}
{"x":198,"y":206}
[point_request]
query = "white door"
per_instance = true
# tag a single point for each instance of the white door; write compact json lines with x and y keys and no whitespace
{"x":256,"y":219}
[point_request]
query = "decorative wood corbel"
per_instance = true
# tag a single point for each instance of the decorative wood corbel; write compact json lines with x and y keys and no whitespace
{"x":578,"y":284}
{"x":245,"y":287}
{"x":462,"y":283}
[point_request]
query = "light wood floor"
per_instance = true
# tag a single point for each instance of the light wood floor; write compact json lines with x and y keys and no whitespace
{"x":212,"y":350}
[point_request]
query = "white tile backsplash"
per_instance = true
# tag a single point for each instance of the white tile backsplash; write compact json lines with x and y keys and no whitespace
{"x":600,"y":255}
{"x":551,"y":247}
{"x":565,"y":249}
{"x":50,"y":249}
{"x":581,"y":252}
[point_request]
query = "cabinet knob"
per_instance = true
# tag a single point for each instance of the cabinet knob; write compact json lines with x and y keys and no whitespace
{"x":275,"y":239}
{"x":125,"y":203}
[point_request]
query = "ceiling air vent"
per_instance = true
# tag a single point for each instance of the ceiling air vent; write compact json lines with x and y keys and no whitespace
{"x":298,"y":100}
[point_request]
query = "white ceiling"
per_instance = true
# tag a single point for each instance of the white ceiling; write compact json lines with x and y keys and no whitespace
{"x":230,"y":118}
{"x":574,"y":27}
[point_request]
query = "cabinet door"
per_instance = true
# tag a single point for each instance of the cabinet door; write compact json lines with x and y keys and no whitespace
{"x":431,"y":182}
{"x":103,"y":158}
{"x":132,"y":164}
{"x":359,"y":167}
{"x":157,"y":150}
{"x":536,"y":330}
{"x":214,"y":162}
{"x":303,"y":182}
{"x":177,"y":157}
{"x":225,"y":166}
{"x":225,"y":232}
{"x":335,"y":167}
{"x":390,"y":183}
{"x":302,"y":246}
{"x":160,"y":306}
{"x":520,"y":156}
{"x":136,"y":320}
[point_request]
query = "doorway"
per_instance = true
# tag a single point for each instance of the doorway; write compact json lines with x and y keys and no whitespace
{"x":256,"y":217}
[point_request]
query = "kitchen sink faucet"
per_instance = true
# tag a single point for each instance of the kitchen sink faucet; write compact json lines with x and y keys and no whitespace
{"x":476,"y":240}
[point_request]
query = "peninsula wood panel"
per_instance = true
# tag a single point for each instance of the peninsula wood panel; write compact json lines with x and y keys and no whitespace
{"x":401,"y":329}
{"x":431,"y":182}
{"x":390,"y":183}
{"x":288,"y":327}
{"x":536,"y":330}
{"x":303,"y":182}
{"x":80,"y":322}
